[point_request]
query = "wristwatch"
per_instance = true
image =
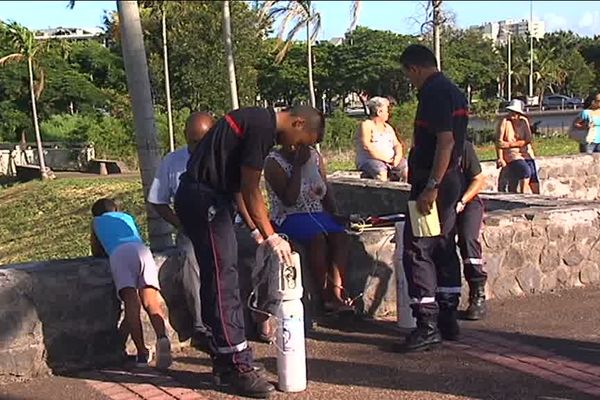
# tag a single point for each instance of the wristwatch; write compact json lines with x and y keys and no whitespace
{"x":432,"y":184}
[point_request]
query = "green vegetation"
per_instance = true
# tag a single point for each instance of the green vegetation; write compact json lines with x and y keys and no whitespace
{"x":51,"y":220}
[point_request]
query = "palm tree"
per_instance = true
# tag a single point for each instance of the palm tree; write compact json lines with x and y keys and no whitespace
{"x":138,"y":83}
{"x":300,"y":14}
{"x":227,"y":39}
{"x":26,"y":48}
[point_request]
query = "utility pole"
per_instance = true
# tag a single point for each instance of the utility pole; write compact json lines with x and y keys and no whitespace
{"x":229,"y":53}
{"x":437,"y":22}
{"x":531,"y":49}
{"x":509,"y":87}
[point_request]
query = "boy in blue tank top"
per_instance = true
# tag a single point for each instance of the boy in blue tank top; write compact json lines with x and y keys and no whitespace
{"x":115,"y":235}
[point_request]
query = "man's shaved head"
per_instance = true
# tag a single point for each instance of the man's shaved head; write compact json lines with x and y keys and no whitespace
{"x":197,"y":126}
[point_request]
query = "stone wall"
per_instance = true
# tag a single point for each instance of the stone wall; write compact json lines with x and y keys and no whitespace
{"x":532,"y":243}
{"x":60,"y":315}
{"x":575,"y":177}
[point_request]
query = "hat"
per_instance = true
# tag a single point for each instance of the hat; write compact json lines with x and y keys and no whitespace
{"x":516,"y":105}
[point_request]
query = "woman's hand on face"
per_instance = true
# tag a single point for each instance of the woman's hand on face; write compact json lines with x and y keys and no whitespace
{"x":302,"y":155}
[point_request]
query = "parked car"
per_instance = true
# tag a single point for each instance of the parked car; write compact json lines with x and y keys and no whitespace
{"x":560,"y":101}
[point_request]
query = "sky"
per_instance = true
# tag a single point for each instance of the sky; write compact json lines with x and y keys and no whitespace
{"x":582,"y":17}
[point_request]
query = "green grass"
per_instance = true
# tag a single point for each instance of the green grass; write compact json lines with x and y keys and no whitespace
{"x":51,"y":220}
{"x":543,"y":147}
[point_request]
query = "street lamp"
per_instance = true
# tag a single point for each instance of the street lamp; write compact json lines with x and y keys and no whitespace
{"x":509,"y":72}
{"x":530,"y":48}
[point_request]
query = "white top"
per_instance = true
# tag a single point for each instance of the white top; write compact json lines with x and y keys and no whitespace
{"x":312,"y":189}
{"x":166,"y":181}
{"x":381,"y":139}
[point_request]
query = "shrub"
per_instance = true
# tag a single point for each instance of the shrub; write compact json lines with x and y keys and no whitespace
{"x":339,"y":131}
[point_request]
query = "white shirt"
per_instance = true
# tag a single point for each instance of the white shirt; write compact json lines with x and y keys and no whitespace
{"x":166,"y":181}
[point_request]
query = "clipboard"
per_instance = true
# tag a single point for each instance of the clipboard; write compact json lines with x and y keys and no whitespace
{"x":424,"y":225}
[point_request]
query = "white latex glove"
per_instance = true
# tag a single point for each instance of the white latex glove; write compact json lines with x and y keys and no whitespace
{"x":460,"y":206}
{"x":281,"y":248}
{"x":257,"y":236}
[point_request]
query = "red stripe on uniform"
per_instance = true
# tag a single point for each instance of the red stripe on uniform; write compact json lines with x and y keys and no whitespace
{"x":463,"y":112}
{"x":234,"y":126}
{"x":421,"y":123}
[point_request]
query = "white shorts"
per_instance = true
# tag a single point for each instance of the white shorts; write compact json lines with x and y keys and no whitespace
{"x":132,"y":265}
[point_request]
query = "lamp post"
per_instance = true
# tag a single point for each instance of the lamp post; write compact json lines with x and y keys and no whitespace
{"x":509,"y":72}
{"x":530,"y":48}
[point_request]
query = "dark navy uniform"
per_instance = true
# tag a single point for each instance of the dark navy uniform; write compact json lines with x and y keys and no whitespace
{"x":431,"y":264}
{"x":205,"y":205}
{"x":469,"y":222}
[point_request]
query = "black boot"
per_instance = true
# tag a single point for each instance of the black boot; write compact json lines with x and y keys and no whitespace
{"x":447,"y":319}
{"x":476,"y":309}
{"x":425,"y":337}
{"x":247,"y":383}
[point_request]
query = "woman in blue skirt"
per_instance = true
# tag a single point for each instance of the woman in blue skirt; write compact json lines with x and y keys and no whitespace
{"x":303,"y":208}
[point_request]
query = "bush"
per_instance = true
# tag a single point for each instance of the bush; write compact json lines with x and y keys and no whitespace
{"x":339,"y":131}
{"x":403,"y":120}
{"x":112,"y":138}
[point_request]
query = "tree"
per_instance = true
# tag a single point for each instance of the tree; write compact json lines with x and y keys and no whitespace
{"x":26,"y":48}
{"x":300,"y":14}
{"x":138,"y":82}
{"x":227,"y":39}
{"x":162,"y":6}
{"x":200,"y":76}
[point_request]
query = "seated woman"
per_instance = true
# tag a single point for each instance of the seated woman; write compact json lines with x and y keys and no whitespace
{"x":514,"y":151}
{"x":378,"y":151}
{"x":302,"y":208}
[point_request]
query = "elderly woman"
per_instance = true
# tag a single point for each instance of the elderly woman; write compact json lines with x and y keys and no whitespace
{"x":303,"y":208}
{"x":514,"y":151}
{"x":378,"y":151}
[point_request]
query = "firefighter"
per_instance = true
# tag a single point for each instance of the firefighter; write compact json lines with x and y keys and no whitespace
{"x":431,"y":264}
{"x":469,"y":222}
{"x":226,"y":166}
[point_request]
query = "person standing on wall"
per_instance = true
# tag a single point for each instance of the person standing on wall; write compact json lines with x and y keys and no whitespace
{"x":431,"y":264}
{"x":161,"y":196}
{"x":469,"y":223}
{"x":226,"y":167}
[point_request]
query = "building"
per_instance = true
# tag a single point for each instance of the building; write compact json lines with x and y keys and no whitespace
{"x":69,"y":33}
{"x":499,"y":31}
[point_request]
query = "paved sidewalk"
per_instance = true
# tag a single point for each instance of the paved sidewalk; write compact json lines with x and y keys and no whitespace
{"x":541,"y":347}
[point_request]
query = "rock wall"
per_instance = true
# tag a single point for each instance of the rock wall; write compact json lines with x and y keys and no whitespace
{"x":64,"y":314}
{"x":575,"y":177}
{"x":531,"y":243}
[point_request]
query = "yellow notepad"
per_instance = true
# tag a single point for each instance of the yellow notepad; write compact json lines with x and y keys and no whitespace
{"x":424,"y":225}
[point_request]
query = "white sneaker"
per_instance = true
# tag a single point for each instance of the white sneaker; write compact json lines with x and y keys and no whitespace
{"x":163,"y":353}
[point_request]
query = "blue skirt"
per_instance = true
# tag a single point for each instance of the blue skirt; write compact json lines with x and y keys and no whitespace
{"x":304,"y":227}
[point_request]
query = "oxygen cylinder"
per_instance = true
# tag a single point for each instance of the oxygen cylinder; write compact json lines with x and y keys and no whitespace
{"x":291,"y":352}
{"x":404,"y":315}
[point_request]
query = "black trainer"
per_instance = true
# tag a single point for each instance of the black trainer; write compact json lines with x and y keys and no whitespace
{"x":249,"y":383}
{"x":477,"y":308}
{"x":425,"y":337}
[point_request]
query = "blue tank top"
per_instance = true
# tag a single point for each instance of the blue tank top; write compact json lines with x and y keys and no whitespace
{"x":114,"y":229}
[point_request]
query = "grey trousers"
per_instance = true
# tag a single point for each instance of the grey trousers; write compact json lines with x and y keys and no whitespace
{"x":191,"y":280}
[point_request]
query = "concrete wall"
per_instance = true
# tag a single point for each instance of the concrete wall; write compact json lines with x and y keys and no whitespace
{"x":574,"y":177}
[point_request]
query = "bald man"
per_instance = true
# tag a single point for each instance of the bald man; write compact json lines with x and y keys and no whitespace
{"x":161,"y":195}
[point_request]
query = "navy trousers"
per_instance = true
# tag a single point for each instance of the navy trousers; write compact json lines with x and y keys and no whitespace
{"x":207,"y":218}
